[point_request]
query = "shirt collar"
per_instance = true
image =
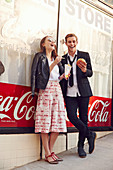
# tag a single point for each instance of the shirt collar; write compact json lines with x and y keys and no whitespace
{"x":71,"y":58}
{"x":70,"y":55}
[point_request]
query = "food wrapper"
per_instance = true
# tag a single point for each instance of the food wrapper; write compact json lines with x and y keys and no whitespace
{"x":67,"y":70}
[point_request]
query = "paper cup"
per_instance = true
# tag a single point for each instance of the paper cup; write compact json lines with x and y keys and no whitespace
{"x":67,"y":70}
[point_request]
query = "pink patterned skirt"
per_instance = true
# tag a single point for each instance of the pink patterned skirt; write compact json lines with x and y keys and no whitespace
{"x":50,"y":110}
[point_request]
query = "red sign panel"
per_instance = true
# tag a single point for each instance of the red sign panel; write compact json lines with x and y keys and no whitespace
{"x":17,"y":108}
{"x":99,"y":112}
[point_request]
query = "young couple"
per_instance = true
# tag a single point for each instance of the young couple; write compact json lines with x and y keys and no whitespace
{"x":47,"y":75}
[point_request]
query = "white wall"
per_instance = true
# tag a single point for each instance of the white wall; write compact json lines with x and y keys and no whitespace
{"x":20,"y":149}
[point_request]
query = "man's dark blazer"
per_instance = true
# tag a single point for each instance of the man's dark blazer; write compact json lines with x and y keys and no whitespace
{"x":82,"y":78}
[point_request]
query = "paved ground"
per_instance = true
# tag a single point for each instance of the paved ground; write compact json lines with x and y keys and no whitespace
{"x":100,"y":159}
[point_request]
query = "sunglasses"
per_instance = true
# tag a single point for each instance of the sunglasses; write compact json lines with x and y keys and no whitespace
{"x":51,"y":40}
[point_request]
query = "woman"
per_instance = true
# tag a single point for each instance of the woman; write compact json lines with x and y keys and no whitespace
{"x":50,"y":111}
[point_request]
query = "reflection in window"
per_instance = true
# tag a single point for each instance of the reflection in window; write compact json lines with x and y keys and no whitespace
{"x":107,"y":2}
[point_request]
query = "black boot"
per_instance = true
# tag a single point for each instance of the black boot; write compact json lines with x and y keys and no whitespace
{"x":91,"y":141}
{"x":81,"y":151}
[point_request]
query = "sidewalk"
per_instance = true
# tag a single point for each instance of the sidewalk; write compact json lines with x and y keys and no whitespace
{"x":100,"y":159}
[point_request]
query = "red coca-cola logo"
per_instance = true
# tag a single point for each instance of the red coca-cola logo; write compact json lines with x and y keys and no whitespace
{"x":17,"y":107}
{"x":99,"y":113}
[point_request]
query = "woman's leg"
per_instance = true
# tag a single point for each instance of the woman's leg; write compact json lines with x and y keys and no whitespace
{"x":45,"y":142}
{"x":53,"y":137}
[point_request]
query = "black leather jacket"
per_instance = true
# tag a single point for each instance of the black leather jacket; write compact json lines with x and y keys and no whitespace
{"x":40,"y":71}
{"x":2,"y":69}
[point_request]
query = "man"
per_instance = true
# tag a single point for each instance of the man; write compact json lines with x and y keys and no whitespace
{"x":77,"y":90}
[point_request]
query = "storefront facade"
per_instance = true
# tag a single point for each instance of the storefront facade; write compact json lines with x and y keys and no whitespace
{"x":23,"y":24}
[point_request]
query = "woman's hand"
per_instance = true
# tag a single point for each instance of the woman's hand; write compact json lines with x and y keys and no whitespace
{"x":63,"y":76}
{"x":67,"y":76}
{"x":57,"y":59}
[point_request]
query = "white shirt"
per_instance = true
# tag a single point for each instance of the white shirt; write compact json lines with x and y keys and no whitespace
{"x":54,"y":74}
{"x":72,"y":91}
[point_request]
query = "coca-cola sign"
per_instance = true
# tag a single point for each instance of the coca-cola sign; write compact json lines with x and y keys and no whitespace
{"x":17,"y":107}
{"x":99,"y":113}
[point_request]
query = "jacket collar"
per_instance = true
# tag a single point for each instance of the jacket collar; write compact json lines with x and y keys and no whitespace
{"x":66,"y":55}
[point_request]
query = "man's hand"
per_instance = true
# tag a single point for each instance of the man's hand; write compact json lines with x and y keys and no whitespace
{"x":81,"y":63}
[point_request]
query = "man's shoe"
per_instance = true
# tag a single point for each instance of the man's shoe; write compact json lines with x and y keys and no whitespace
{"x":81,"y":152}
{"x":91,"y":141}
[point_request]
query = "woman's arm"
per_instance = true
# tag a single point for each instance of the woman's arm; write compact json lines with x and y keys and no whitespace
{"x":56,"y":61}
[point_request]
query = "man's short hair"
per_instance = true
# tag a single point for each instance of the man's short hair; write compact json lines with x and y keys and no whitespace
{"x":70,"y":35}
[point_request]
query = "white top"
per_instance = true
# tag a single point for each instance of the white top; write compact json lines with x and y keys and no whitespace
{"x":72,"y":91}
{"x":54,"y":74}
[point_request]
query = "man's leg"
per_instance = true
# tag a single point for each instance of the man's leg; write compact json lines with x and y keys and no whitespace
{"x":71,"y":106}
{"x":83,"y":103}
